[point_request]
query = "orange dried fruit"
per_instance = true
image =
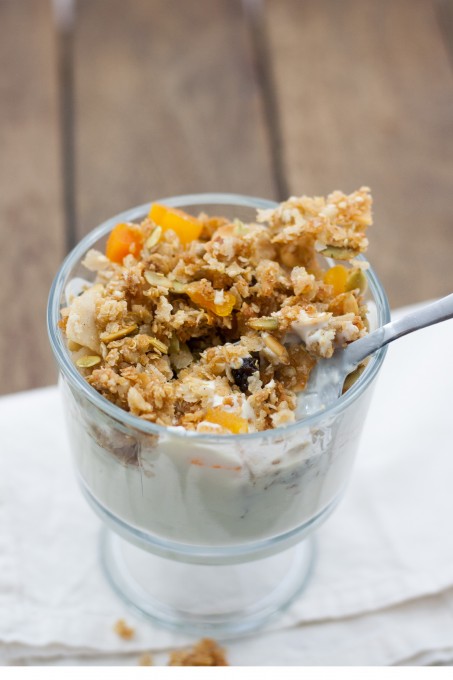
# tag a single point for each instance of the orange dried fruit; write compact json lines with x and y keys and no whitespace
{"x":186,"y":227}
{"x":123,"y":240}
{"x":223,"y":308}
{"x":226,"y":419}
{"x":336,"y":277}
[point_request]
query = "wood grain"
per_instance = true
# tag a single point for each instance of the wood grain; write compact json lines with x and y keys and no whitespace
{"x":365,"y":94}
{"x":166,"y":102}
{"x":31,"y":228}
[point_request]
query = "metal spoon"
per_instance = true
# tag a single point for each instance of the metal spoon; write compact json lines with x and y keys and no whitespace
{"x":327,"y":379}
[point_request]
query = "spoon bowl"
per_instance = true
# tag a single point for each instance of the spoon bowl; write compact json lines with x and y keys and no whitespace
{"x":328,"y":377}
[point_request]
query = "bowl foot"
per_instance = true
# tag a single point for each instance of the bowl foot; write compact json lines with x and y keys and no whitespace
{"x":226,"y":600}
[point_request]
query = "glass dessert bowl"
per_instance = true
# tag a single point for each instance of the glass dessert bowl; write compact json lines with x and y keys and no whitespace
{"x":207,"y":531}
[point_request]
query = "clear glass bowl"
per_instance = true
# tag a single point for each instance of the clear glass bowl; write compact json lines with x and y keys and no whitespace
{"x":223,"y":513}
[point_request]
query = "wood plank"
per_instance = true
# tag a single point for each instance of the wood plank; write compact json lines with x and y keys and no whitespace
{"x":365,"y":92}
{"x":166,"y":102}
{"x":31,"y":224}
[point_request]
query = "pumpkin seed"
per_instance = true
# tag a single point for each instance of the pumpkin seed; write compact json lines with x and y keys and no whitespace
{"x":109,"y":337}
{"x":339,"y":253}
{"x":88,"y":361}
{"x":357,"y":281}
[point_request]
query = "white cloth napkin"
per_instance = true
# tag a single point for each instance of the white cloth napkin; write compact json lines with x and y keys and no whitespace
{"x":382,"y":592}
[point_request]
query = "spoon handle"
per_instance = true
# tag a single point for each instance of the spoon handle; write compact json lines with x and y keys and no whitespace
{"x":441,"y":310}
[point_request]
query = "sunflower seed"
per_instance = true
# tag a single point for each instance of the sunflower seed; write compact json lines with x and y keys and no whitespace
{"x":263,"y":323}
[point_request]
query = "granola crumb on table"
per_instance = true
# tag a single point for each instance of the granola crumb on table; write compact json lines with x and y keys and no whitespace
{"x":206,"y":652}
{"x":123,"y":630}
{"x":215,"y":325}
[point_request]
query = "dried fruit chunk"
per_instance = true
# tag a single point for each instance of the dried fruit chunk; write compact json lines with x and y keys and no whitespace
{"x":186,"y":227}
{"x":241,"y":375}
{"x":220,"y":308}
{"x":336,"y":277}
{"x":226,"y":419}
{"x":123,"y":240}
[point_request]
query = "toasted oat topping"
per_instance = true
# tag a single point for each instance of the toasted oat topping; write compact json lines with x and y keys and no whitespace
{"x":219,"y":333}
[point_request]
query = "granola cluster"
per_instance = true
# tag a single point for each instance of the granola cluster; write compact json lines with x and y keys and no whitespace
{"x":206,"y":652}
{"x":219,"y":333}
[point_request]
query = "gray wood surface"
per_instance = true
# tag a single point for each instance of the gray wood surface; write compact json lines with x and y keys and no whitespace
{"x":149,"y":98}
{"x":31,"y":221}
{"x":365,"y":96}
{"x":167,"y":102}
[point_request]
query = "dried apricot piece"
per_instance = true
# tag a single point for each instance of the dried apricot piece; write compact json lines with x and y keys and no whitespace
{"x":123,"y":240}
{"x":186,"y":227}
{"x":223,"y":307}
{"x":226,"y":419}
{"x":336,"y":277}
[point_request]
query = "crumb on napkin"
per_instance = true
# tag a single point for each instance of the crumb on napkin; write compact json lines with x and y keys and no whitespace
{"x":123,"y":630}
{"x":206,"y":652}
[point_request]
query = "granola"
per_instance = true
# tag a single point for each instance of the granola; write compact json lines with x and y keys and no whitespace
{"x":215,"y":325}
{"x":206,"y":652}
{"x":123,"y":630}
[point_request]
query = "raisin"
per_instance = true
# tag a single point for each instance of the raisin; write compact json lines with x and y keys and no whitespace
{"x":241,"y":375}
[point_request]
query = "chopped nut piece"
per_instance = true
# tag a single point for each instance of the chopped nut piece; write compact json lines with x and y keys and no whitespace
{"x":123,"y":630}
{"x":160,"y":346}
{"x":178,"y":287}
{"x":264,"y":323}
{"x":88,"y":361}
{"x":154,"y":238}
{"x":110,"y":337}
{"x":155,"y":279}
{"x":276,"y":347}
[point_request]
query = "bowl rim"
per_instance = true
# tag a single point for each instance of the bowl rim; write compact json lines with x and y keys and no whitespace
{"x":69,"y":370}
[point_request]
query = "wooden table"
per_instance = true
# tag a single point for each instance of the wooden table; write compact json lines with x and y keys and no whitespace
{"x":142,"y":99}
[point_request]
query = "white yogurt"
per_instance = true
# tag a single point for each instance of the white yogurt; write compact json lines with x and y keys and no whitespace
{"x":213,"y":491}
